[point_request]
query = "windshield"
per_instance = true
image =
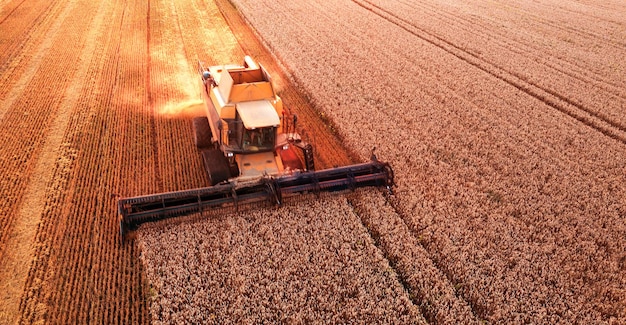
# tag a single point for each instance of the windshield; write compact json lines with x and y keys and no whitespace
{"x":260,"y":139}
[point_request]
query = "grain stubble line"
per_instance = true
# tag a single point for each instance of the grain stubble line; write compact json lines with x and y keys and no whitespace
{"x":152,"y":126}
{"x":40,"y":52}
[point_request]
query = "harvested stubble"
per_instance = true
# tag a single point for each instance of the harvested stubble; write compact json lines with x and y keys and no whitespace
{"x":513,"y":187}
{"x":311,"y":261}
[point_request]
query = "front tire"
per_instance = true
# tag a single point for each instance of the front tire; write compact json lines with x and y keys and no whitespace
{"x":216,"y":165}
{"x":202,"y":132}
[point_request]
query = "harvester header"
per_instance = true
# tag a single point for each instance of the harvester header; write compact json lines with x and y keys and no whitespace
{"x":251,"y":152}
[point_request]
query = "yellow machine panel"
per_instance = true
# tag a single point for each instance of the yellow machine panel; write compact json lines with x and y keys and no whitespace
{"x":251,"y":91}
{"x":256,"y":165}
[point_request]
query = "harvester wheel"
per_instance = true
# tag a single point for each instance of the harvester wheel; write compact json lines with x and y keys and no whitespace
{"x":202,"y":132}
{"x":216,"y":166}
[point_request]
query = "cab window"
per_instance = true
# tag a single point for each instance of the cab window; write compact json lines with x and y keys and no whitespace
{"x":260,"y":139}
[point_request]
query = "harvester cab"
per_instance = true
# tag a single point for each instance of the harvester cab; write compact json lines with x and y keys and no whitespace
{"x":251,"y":152}
{"x":243,"y":114}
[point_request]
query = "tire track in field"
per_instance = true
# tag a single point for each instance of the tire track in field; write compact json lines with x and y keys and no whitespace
{"x":569,"y":66}
{"x":429,"y":287}
{"x":478,"y":309}
{"x":35,"y":63}
{"x":617,"y":43}
{"x":10,"y":12}
{"x":561,"y":68}
{"x":16,"y":266}
{"x":21,"y":36}
{"x":551,"y":98}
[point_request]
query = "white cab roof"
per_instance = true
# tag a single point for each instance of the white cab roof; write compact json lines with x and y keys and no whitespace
{"x":257,"y":114}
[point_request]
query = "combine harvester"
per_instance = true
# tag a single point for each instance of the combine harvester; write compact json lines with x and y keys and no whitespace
{"x":251,"y":152}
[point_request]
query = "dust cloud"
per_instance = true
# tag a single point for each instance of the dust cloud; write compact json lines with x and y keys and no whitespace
{"x":186,"y":109}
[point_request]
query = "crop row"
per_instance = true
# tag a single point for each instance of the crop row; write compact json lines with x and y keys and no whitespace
{"x":26,"y":105}
{"x":29,"y":144}
{"x":25,"y":29}
{"x":80,"y":274}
